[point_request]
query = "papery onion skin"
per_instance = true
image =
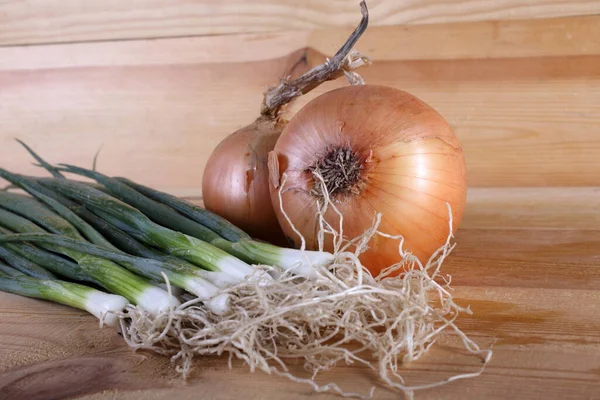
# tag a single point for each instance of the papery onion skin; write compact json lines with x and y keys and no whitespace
{"x":412,"y":166}
{"x":235,"y":183}
{"x":235,"y":180}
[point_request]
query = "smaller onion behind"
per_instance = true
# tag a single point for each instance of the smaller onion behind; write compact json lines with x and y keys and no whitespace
{"x":380,"y":150}
{"x":235,"y":182}
{"x":235,"y":179}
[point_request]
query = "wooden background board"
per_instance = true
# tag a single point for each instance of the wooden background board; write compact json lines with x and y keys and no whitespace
{"x":59,"y":21}
{"x":158,"y":109}
{"x":154,"y":85}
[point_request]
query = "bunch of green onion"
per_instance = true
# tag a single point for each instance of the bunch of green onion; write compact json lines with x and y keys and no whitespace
{"x":99,"y":247}
{"x":103,"y":306}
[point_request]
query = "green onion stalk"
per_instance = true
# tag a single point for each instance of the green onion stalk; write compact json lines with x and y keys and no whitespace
{"x":217,"y":303}
{"x":48,"y":260}
{"x":224,"y":269}
{"x":94,"y":228}
{"x":103,"y":306}
{"x":200,"y":223}
{"x":6,"y":271}
{"x":181,"y":275}
{"x":22,"y":264}
{"x":105,"y":273}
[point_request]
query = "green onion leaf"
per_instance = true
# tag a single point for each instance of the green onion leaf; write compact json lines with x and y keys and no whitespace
{"x":105,"y":273}
{"x":189,"y":279}
{"x":231,"y":270}
{"x":296,"y":261}
{"x":102,"y":305}
{"x":198,"y":214}
{"x":23,"y":264}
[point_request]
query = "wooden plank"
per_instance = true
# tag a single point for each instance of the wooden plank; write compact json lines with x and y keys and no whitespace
{"x":483,"y":39}
{"x":545,"y":337}
{"x":537,"y":245}
{"x":531,"y":208}
{"x":527,"y":122}
{"x":61,"y":352}
{"x":541,"y":258}
{"x":574,"y":36}
{"x":36,"y":21}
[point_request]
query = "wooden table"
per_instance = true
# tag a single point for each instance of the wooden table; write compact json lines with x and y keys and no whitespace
{"x":522,"y":95}
{"x":533,"y":291}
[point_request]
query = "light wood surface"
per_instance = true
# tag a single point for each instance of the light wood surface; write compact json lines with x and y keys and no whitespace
{"x":521,"y":90}
{"x":59,"y":21}
{"x":533,"y":292}
{"x":539,"y":207}
{"x":526,"y":121}
{"x":556,"y":37}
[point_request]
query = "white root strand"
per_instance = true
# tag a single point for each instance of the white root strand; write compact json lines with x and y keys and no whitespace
{"x":346,"y":315}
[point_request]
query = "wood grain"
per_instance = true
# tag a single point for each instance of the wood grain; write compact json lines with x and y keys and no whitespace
{"x":43,"y":21}
{"x":522,"y":94}
{"x":574,"y":36}
{"x":49,"y":351}
{"x":537,"y":307}
{"x":533,"y":208}
{"x":523,"y":121}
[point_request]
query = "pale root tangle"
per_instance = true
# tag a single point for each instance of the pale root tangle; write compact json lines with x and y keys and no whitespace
{"x":346,"y":315}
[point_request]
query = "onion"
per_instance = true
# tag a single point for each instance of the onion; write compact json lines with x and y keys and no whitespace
{"x":378,"y":150}
{"x":235,"y":181}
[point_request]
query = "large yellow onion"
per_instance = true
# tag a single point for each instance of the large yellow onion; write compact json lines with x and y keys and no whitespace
{"x":379,"y":150}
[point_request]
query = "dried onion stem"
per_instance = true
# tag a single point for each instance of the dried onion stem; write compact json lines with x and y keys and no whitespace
{"x":346,"y":315}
